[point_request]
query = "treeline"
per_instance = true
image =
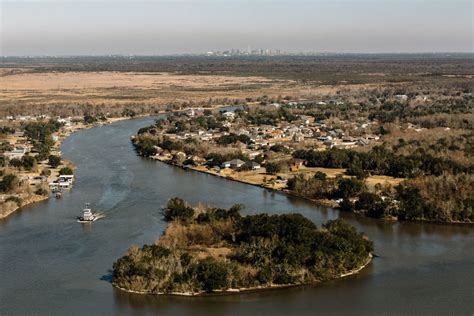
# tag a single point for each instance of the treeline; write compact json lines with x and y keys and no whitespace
{"x":381,"y":161}
{"x":446,"y":198}
{"x":256,"y":250}
{"x":328,"y":69}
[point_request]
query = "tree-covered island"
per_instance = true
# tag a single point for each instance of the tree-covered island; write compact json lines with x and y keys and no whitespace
{"x":206,"y":250}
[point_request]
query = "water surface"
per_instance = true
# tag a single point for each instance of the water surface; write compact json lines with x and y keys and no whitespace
{"x":50,"y":264}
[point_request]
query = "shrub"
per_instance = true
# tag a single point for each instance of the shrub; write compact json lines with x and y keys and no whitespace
{"x":8,"y":183}
{"x":66,"y":171}
{"x":54,"y":161}
{"x":211,"y":274}
{"x":177,"y":209}
{"x":15,"y":199}
{"x":272,"y":168}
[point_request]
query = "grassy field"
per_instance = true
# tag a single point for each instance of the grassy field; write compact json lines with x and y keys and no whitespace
{"x":260,"y":177}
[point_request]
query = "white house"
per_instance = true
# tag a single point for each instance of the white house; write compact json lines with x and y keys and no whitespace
{"x":16,"y":153}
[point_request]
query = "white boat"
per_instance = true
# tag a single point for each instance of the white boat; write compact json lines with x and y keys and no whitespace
{"x":88,"y":216}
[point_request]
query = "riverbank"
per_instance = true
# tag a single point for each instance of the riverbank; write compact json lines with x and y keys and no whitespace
{"x":232,"y":291}
{"x":248,"y":177}
{"x":228,"y":174}
{"x":8,"y":208}
{"x":23,"y":199}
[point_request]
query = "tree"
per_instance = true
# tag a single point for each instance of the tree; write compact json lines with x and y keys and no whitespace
{"x":54,"y":161}
{"x":346,"y":206}
{"x":28,"y":162}
{"x":129,"y":112}
{"x":8,"y":183}
{"x":66,"y":171}
{"x":211,"y":274}
{"x":272,"y":168}
{"x":16,"y":163}
{"x":177,"y":209}
{"x":348,"y":187}
{"x":320,"y":175}
{"x":357,"y":171}
{"x":412,"y":204}
{"x":89,"y":119}
{"x":366,"y":199}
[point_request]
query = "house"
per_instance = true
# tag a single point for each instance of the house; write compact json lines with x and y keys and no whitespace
{"x":229,"y":115}
{"x":297,"y":162}
{"x":298,"y":137}
{"x":225,"y":164}
{"x":401,"y":97}
{"x":16,"y":153}
{"x":234,"y":163}
{"x":66,"y":178}
{"x":294,"y":168}
{"x":253,"y":165}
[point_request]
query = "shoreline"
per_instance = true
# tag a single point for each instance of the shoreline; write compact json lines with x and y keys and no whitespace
{"x":232,"y":291}
{"x":323,"y":203}
{"x":62,"y":136}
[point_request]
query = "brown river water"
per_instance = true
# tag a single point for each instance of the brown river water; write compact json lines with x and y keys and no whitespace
{"x":52,"y":265}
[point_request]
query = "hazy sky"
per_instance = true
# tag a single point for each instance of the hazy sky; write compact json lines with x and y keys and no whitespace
{"x":93,"y":27}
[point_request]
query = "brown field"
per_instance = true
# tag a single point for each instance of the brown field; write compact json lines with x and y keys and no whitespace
{"x":117,"y":87}
{"x":21,"y":91}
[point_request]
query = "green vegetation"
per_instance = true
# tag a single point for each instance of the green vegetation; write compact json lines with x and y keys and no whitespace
{"x":54,"y":161}
{"x":213,"y":249}
{"x":8,"y":182}
{"x":66,"y":171}
{"x":412,"y":199}
{"x":27,"y":162}
{"x":40,"y":134}
{"x":381,"y":161}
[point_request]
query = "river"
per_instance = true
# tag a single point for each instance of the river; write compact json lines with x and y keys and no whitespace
{"x":52,"y":265}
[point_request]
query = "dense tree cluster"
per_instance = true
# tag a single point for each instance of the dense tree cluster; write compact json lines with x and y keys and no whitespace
{"x":232,"y":139}
{"x":381,"y":161}
{"x":261,"y":250}
{"x":40,"y":134}
{"x":8,"y":182}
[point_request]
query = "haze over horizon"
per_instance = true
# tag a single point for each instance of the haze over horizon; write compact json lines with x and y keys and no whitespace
{"x":156,"y":27}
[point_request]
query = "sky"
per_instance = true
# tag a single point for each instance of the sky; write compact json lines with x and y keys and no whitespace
{"x":161,"y":27}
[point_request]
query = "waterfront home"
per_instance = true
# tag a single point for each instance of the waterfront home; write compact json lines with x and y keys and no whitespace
{"x":253,"y":165}
{"x":225,"y":164}
{"x":234,"y":163}
{"x":69,"y":178}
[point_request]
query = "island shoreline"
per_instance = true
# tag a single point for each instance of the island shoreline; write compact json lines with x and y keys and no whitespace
{"x":249,"y":290}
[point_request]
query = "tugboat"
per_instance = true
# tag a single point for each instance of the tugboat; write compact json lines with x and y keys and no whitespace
{"x":87,"y":215}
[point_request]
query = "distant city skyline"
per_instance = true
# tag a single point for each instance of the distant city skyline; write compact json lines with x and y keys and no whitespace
{"x":158,"y":27}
